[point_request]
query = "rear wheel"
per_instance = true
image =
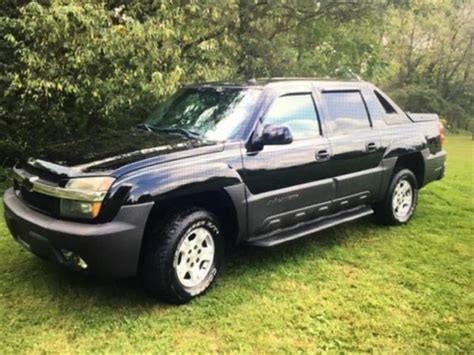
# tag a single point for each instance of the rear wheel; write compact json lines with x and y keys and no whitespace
{"x":183,"y":256}
{"x":399,"y":204}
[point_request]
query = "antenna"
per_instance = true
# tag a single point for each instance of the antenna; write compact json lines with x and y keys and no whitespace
{"x":354,"y":75}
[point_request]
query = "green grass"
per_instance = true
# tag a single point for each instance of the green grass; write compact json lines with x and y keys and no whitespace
{"x":358,"y":287}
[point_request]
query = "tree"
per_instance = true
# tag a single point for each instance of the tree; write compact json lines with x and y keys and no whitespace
{"x":69,"y":67}
{"x":430,"y":44}
{"x":77,"y":66}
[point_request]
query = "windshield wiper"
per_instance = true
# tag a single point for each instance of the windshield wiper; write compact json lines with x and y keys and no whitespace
{"x":182,"y":131}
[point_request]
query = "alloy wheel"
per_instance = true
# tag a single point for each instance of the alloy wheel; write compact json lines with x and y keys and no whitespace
{"x":194,"y":257}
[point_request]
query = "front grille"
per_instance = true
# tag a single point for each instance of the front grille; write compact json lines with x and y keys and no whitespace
{"x":43,"y":174}
{"x":43,"y":203}
{"x":24,"y":176}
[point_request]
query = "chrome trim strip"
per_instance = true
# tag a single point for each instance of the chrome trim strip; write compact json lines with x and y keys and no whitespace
{"x":32,"y":183}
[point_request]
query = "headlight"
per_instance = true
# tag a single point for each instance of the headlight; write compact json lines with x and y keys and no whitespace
{"x":96,"y":184}
{"x":89,"y":192}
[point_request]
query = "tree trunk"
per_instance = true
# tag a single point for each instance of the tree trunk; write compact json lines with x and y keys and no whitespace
{"x":245,"y":67}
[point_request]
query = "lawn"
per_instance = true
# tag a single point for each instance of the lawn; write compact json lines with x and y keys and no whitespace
{"x":358,"y":287}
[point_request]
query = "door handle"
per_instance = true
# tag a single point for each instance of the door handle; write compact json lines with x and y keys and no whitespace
{"x":371,"y":146}
{"x":322,"y":155}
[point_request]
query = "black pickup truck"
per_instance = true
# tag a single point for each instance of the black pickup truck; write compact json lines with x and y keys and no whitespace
{"x":261,"y":162}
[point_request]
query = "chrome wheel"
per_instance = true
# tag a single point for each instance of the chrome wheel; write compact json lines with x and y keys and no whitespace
{"x":402,"y":200}
{"x":194,"y":257}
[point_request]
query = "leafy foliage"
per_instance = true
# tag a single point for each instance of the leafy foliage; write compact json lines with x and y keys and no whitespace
{"x":429,"y":46}
{"x":79,"y":66}
{"x":76,"y":66}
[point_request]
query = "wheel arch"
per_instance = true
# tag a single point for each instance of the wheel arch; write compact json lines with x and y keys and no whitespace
{"x":413,"y":162}
{"x":218,"y":201}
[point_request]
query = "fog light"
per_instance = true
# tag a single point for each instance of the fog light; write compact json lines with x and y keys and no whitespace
{"x":80,"y":209}
{"x":74,"y":259}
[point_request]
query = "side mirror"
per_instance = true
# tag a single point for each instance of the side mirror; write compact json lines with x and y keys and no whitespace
{"x":275,"y":135}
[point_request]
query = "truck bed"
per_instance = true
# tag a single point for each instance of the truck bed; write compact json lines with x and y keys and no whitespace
{"x":423,"y":117}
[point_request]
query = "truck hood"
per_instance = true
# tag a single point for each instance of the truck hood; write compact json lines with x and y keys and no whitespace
{"x":111,"y":150}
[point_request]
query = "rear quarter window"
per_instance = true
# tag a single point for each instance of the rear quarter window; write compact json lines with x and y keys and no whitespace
{"x":391,"y":114}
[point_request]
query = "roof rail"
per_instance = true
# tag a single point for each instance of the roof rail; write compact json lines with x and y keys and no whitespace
{"x":354,"y":77}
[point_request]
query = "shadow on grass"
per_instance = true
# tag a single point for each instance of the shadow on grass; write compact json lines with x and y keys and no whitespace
{"x":316,"y":245}
{"x":63,"y":286}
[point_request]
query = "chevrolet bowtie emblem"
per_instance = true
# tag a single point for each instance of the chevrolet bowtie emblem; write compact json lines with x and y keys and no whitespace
{"x":28,"y":183}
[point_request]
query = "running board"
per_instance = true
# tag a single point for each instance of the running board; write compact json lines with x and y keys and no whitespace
{"x":300,"y":232}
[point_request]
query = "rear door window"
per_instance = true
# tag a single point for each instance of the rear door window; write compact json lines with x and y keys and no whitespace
{"x":345,"y":111}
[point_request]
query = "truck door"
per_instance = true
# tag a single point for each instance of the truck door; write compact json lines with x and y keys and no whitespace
{"x":289,"y":183}
{"x":356,"y":148}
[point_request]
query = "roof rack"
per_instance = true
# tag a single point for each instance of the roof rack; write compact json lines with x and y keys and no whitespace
{"x":354,"y":78}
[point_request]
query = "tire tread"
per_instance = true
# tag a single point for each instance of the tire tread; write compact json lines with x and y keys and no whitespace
{"x":159,"y":248}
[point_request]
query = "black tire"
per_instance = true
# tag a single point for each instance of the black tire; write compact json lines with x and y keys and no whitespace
{"x":159,"y":269}
{"x":384,"y":211}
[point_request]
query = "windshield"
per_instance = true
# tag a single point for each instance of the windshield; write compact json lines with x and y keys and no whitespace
{"x":213,"y":113}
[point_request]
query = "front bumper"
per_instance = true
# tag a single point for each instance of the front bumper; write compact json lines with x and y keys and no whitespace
{"x":109,"y":249}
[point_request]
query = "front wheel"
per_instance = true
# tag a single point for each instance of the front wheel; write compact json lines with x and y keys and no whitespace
{"x":183,"y":256}
{"x":399,"y":204}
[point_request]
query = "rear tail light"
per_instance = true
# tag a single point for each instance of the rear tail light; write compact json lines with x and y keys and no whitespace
{"x":442,"y":133}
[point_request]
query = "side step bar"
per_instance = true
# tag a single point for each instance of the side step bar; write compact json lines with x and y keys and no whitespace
{"x":310,"y":228}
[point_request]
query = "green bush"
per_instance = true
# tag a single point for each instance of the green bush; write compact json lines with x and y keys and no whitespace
{"x":78,"y":66}
{"x":424,"y":99}
{"x":72,"y":67}
{"x":5,"y":175}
